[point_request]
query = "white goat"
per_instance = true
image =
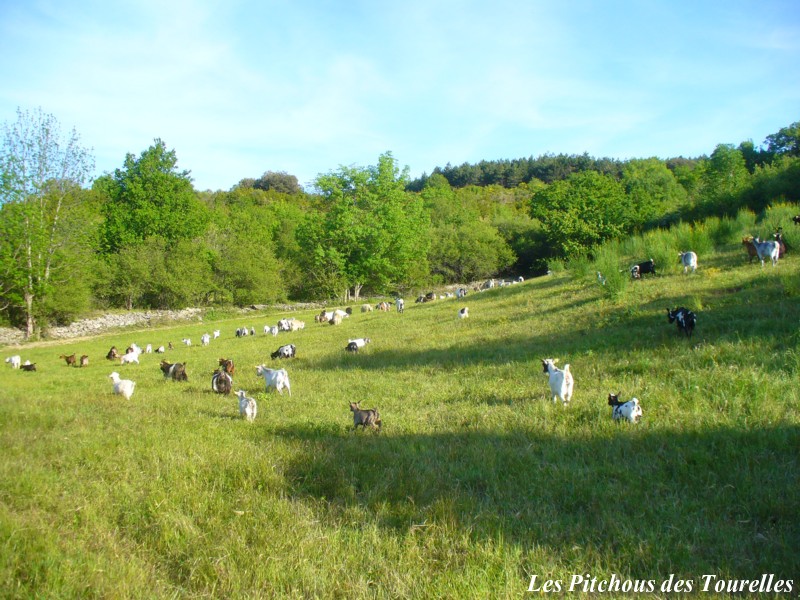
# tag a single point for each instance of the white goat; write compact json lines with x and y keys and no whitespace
{"x":359,"y":342}
{"x":205,"y":339}
{"x":463,"y":313}
{"x":688,"y":260}
{"x":768,"y":249}
{"x":160,"y":350}
{"x":15,"y":361}
{"x":187,"y":341}
{"x":273,"y":330}
{"x":124,"y":387}
{"x":275,"y":378}
{"x":129,"y":358}
{"x":247,"y":406}
{"x":216,"y":333}
{"x":148,"y":349}
{"x":561,"y":382}
{"x":627,"y":411}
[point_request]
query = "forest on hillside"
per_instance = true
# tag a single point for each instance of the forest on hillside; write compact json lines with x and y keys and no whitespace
{"x":143,"y":237}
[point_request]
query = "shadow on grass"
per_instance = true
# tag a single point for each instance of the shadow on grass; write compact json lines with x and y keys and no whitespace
{"x":719,"y":501}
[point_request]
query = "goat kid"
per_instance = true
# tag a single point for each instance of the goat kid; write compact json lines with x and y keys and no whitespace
{"x":247,"y":406}
{"x":286,"y":351}
{"x":15,"y":361}
{"x":366,"y":418}
{"x":688,"y":260}
{"x":221,"y":382}
{"x":227,"y":365}
{"x":560,"y":380}
{"x":274,"y":378}
{"x":123,"y":387}
{"x":624,"y":411}
{"x":174,"y":371}
{"x":684,"y":318}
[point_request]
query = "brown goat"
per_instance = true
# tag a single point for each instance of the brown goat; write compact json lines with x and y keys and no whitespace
{"x":370,"y":417}
{"x":227,"y":365}
{"x":747,"y":242}
{"x":70,"y":360}
{"x":112,"y":354}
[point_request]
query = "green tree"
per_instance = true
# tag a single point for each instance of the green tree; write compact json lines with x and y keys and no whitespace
{"x":653,"y":192}
{"x":150,"y":197}
{"x":279,"y":182}
{"x":786,"y":141}
{"x":41,"y":174}
{"x":581,"y":212}
{"x":371,"y":231}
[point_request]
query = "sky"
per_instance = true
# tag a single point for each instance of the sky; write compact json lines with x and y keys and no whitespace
{"x":238,"y":88}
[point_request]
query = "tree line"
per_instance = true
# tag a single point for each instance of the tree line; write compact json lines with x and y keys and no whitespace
{"x":143,"y":237}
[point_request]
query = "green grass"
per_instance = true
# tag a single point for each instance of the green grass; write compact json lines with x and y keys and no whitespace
{"x":476,"y":482}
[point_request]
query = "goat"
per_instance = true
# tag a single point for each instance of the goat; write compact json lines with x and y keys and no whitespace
{"x":15,"y":361}
{"x":769,"y":249}
{"x":685,"y":319}
{"x":748,"y":244}
{"x":351,"y":347}
{"x":129,"y":357}
{"x":285,"y":325}
{"x":400,"y":304}
{"x":648,"y":266}
{"x":148,"y":349}
{"x":216,"y":333}
{"x":247,"y":406}
{"x":84,"y":361}
{"x":227,"y":366}
{"x":383,"y":306}
{"x":796,"y":219}
{"x":336,"y":320}
{"x":286,"y":351}
{"x":176,"y":371}
{"x":70,"y":360}
{"x":419,"y":300}
{"x":463,"y":313}
{"x":112,"y":354}
{"x":624,"y":411}
{"x":28,"y":366}
{"x":366,"y":308}
{"x":688,"y":260}
{"x":370,"y":417}
{"x":187,"y":341}
{"x":221,"y":382}
{"x":205,"y":339}
{"x":160,"y":350}
{"x":561,"y":381}
{"x":123,"y":387}
{"x":461,"y":292}
{"x":296,"y":325}
{"x":354,"y":345}
{"x":778,"y":235}
{"x":275,"y":378}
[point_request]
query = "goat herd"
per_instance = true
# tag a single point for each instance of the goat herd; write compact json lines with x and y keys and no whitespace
{"x":560,"y":380}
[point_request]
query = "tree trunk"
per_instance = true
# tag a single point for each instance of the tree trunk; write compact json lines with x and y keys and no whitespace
{"x":357,"y":291}
{"x":30,"y":322}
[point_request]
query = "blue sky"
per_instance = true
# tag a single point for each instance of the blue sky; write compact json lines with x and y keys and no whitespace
{"x":238,"y":88}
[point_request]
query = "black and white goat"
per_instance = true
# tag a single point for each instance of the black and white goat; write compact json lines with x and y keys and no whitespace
{"x":684,"y":318}
{"x":648,"y":266}
{"x":285,"y":351}
{"x":221,"y":382}
{"x":561,"y":381}
{"x":624,"y":411}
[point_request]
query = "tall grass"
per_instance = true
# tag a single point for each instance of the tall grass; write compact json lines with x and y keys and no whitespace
{"x":476,"y":482}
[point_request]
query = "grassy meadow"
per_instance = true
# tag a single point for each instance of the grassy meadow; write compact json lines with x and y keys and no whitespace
{"x":477,"y":480}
